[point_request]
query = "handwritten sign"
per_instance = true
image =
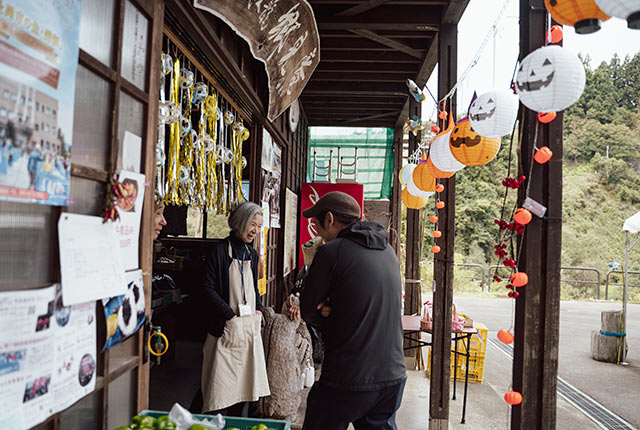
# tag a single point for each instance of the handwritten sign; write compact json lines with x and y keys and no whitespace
{"x":282,"y":34}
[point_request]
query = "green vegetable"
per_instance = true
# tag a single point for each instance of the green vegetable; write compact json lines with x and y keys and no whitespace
{"x":197,"y":427}
{"x":260,"y":427}
{"x":142,"y":422}
{"x":124,"y":428}
{"x":164,"y":423}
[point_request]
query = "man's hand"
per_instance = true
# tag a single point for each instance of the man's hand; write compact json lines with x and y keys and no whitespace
{"x":324,"y":308}
{"x":294,"y":312}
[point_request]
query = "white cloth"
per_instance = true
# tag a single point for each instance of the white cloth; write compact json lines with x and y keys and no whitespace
{"x":632,"y":224}
{"x":234,"y":368}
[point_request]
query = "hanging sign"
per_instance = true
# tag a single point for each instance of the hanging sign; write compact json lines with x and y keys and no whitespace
{"x":282,"y":34}
{"x":129,"y":207}
{"x":38,"y":62}
{"x":290,"y":220}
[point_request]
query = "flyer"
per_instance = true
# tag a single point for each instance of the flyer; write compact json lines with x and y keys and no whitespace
{"x":290,"y":223}
{"x":124,"y":314}
{"x":129,"y":207}
{"x":38,"y":62}
{"x":47,"y":355}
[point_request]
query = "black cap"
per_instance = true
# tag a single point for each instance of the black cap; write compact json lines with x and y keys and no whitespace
{"x":338,"y":203}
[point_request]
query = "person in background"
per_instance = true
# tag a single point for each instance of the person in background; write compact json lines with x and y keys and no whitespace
{"x":353,"y":292}
{"x":233,"y":370}
{"x":158,"y":217}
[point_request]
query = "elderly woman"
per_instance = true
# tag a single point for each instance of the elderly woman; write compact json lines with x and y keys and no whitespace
{"x":158,"y":217}
{"x":234,"y":370}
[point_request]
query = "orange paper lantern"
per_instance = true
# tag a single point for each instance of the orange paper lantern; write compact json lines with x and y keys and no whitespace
{"x":439,"y":188}
{"x":519,"y":279}
{"x":435,"y":249}
{"x":436,"y":233}
{"x":440,"y":204}
{"x":522,"y":216}
{"x":433,"y":219}
{"x":513,"y":398}
{"x":583,"y":15}
{"x":546,"y":118}
{"x":505,"y":336}
{"x":435,"y":129}
{"x":435,"y":172}
{"x":411,"y":201}
{"x":471,"y":149}
{"x":556,"y":33}
{"x":543,"y":155}
{"x":442,"y":115}
{"x":423,"y":179}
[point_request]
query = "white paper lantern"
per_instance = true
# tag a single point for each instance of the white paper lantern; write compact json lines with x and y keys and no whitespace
{"x":494,"y":113}
{"x":406,"y":173}
{"x":415,"y":191}
{"x":440,"y":153}
{"x":550,"y":79}
{"x":625,"y":9}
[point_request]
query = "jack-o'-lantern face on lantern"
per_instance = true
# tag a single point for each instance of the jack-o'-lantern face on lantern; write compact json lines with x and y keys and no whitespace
{"x":536,"y":76}
{"x":469,"y":148}
{"x":481,"y":111}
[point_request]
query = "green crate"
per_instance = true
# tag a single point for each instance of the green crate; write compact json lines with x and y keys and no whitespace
{"x":230,"y":422}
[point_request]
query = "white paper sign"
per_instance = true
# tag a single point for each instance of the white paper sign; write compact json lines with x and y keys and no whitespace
{"x":129,"y":208}
{"x":131,"y":150}
{"x":90,"y":260}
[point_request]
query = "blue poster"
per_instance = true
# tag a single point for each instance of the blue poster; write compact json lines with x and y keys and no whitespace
{"x":38,"y":62}
{"x":125,"y":314}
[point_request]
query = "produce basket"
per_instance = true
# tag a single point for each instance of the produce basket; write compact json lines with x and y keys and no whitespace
{"x":234,"y":422}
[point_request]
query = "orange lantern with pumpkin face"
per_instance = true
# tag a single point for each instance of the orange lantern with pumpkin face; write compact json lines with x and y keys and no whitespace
{"x":519,"y":279}
{"x":505,"y":336}
{"x":435,"y":172}
{"x":423,"y":179}
{"x":469,"y":148}
{"x":583,"y":15}
{"x":411,"y":201}
{"x":513,"y":398}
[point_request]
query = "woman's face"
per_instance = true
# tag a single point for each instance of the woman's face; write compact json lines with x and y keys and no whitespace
{"x":253,"y":229}
{"x":158,"y":220}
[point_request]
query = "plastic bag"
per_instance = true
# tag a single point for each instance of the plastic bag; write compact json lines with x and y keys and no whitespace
{"x":184,"y":419}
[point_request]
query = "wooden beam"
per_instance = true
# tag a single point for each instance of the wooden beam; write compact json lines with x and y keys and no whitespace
{"x":444,"y":260}
{"x":376,"y":26}
{"x":393,"y":34}
{"x":535,"y":361}
{"x":369,"y":57}
{"x":362,"y":7}
{"x":371,"y":76}
{"x":355,"y":67}
{"x":355,"y":88}
{"x":359,"y":43}
{"x":370,"y":117}
{"x":389,"y":42}
{"x":323,"y":122}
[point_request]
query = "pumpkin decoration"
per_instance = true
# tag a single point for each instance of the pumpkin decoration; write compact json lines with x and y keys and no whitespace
{"x":469,"y":148}
{"x":522,"y":216}
{"x":555,"y":34}
{"x":423,"y":179}
{"x":406,"y":173}
{"x":543,"y":155}
{"x":406,"y":177}
{"x":550,"y":79}
{"x":435,"y":172}
{"x":440,"y":153}
{"x":519,"y":279}
{"x":439,"y":188}
{"x":493,"y":113}
{"x":440,"y":204}
{"x":436,"y":233}
{"x":546,"y":117}
{"x":583,"y":15}
{"x":513,"y":398}
{"x":411,"y":201}
{"x":435,"y":249}
{"x":505,"y":336}
{"x":625,"y":9}
{"x":433,"y":219}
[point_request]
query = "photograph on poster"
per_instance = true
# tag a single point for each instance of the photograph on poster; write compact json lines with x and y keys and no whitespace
{"x":124,"y":314}
{"x":36,"y":388}
{"x":10,"y":361}
{"x":44,"y":321}
{"x":87,"y":369}
{"x":63,"y":313}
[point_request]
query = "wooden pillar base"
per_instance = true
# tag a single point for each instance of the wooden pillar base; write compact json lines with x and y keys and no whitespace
{"x":438,"y":424}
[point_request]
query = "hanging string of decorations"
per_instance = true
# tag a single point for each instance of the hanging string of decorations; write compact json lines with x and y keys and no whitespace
{"x":200,"y":162}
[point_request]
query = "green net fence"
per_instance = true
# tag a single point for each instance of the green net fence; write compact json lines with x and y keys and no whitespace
{"x":375,"y":156}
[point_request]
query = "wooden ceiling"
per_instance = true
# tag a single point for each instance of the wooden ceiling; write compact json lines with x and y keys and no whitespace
{"x":368,"y":48}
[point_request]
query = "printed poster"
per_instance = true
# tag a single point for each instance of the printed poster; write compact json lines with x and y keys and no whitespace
{"x":47,"y":355}
{"x":129,"y":207}
{"x":124,"y":314}
{"x":38,"y":62}
{"x":290,"y":220}
{"x":274,"y":196}
{"x":267,"y":151}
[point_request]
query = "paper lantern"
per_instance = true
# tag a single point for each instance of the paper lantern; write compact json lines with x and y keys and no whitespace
{"x":519,"y":279}
{"x":583,"y":15}
{"x":556,"y":34}
{"x":513,"y":398}
{"x":423,"y":179}
{"x":435,"y":249}
{"x":505,"y":336}
{"x":433,"y":219}
{"x":493,"y":113}
{"x":625,"y":9}
{"x":440,"y":204}
{"x":550,"y":79}
{"x":406,"y":173}
{"x":436,"y":233}
{"x":546,"y":117}
{"x":469,"y":148}
{"x":435,"y":172}
{"x":543,"y":155}
{"x":411,"y":201}
{"x":522,"y":216}
{"x":439,"y":188}
{"x":411,"y":187}
{"x":440,"y":154}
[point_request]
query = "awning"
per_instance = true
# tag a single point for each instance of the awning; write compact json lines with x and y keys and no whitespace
{"x":632,"y":224}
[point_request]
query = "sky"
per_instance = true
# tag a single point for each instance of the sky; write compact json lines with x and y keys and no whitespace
{"x":476,"y":22}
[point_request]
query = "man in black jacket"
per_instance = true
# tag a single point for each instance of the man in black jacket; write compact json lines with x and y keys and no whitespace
{"x":353,"y":292}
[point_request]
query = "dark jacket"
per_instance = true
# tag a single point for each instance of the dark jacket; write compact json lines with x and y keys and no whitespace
{"x":215,"y":284}
{"x":359,"y":273}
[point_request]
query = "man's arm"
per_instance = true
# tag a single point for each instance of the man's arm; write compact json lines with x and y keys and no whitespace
{"x":316,"y":287}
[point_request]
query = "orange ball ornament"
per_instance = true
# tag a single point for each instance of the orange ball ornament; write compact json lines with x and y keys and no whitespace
{"x":411,"y":201}
{"x":543,"y":155}
{"x":435,"y":249}
{"x":439,"y":204}
{"x":436,"y":233}
{"x":513,"y":398}
{"x":433,"y":219}
{"x":522,"y":216}
{"x":546,"y":118}
{"x":435,"y":172}
{"x":505,"y":336}
{"x":442,"y":115}
{"x":469,"y":148}
{"x":556,"y":34}
{"x":519,"y":279}
{"x":435,"y":129}
{"x":423,"y":179}
{"x":439,"y":188}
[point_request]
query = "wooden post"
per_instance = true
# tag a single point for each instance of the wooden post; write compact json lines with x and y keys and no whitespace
{"x":535,"y":363}
{"x":609,"y":348}
{"x":396,"y":190}
{"x":443,"y":261}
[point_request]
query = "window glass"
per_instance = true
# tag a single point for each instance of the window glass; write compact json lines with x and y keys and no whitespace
{"x":134,"y":46}
{"x":96,"y":29}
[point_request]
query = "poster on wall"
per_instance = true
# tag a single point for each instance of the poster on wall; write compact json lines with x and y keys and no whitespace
{"x":47,"y":355}
{"x":274,"y":185}
{"x":290,"y":220}
{"x":311,"y":193}
{"x":38,"y":62}
{"x":129,"y":207}
{"x":124,"y":314}
{"x":267,"y":151}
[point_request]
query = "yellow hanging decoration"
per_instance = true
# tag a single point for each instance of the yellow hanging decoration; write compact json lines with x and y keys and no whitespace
{"x":174,"y":141}
{"x":237,"y":159}
{"x":186,"y":181}
{"x":211,"y":114}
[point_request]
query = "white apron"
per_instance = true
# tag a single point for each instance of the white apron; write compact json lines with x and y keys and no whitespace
{"x":234,"y":368}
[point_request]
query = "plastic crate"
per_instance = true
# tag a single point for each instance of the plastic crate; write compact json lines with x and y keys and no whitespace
{"x":476,"y":367}
{"x":233,"y":422}
{"x":478,"y":343}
